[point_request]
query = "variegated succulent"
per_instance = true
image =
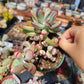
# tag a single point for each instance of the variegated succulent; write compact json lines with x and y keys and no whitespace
{"x":32,"y":51}
{"x":43,"y":24}
{"x":35,"y":81}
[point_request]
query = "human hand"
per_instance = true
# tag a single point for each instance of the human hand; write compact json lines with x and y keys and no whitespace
{"x":72,"y":42}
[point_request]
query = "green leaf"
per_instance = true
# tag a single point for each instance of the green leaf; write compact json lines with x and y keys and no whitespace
{"x":37,"y":25}
{"x":33,"y":13}
{"x":57,"y":29}
{"x":28,"y":28}
{"x":47,"y":12}
{"x":50,"y":16}
{"x":39,"y":16}
{"x":56,"y":25}
{"x":50,"y":42}
{"x":32,"y":34}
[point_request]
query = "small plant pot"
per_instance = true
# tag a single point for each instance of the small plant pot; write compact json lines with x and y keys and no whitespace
{"x":60,"y":12}
{"x":68,"y":13}
{"x":62,"y":76}
{"x":56,"y":65}
{"x":77,"y":15}
{"x":82,"y":17}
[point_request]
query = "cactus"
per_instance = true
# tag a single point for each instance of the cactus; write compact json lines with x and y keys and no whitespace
{"x":42,"y":25}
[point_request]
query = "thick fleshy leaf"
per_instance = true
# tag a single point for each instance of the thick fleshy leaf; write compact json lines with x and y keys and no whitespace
{"x":47,"y":12}
{"x":32,"y":47}
{"x":25,"y":44}
{"x":51,"y":31}
{"x":49,"y":55}
{"x":55,"y":39}
{"x":50,"y":42}
{"x":17,"y":69}
{"x":32,"y":34}
{"x":50,"y":48}
{"x":56,"y":25}
{"x":50,"y":16}
{"x":54,"y":16}
{"x":44,"y":32}
{"x":49,"y":24}
{"x":37,"y":25}
{"x":30,"y":67}
{"x":28,"y":28}
{"x":25,"y":49}
{"x":54,"y":51}
{"x":17,"y":54}
{"x":56,"y":30}
{"x":23,"y":30}
{"x":33,"y":13}
{"x":29,"y":54}
{"x":39,"y":16}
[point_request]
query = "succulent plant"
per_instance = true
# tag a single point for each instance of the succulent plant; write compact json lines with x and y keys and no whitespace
{"x":3,"y":70}
{"x":6,"y":62}
{"x":42,"y":25}
{"x":6,"y":51}
{"x":5,"y":37}
{"x":9,"y":81}
{"x":39,"y":33}
{"x":35,"y":81}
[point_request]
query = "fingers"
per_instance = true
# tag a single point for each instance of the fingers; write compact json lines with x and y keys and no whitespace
{"x":66,"y":46}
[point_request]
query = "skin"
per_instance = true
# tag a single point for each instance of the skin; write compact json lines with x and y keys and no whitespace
{"x":72,"y":42}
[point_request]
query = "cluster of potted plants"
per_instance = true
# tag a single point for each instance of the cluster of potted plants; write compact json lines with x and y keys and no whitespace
{"x":40,"y":52}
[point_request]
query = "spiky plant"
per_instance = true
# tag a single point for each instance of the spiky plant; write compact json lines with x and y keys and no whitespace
{"x":43,"y":24}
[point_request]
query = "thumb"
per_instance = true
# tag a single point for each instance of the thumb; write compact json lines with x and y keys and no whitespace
{"x":66,"y":46}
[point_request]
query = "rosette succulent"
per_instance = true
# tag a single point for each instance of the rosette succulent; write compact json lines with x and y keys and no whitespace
{"x":41,"y":48}
{"x":9,"y":81}
{"x":43,"y":25}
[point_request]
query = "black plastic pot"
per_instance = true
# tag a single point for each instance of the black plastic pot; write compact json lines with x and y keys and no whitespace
{"x":68,"y":80}
{"x":9,"y":26}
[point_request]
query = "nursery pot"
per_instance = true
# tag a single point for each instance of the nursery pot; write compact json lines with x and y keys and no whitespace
{"x":67,"y":80}
{"x":61,"y":59}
